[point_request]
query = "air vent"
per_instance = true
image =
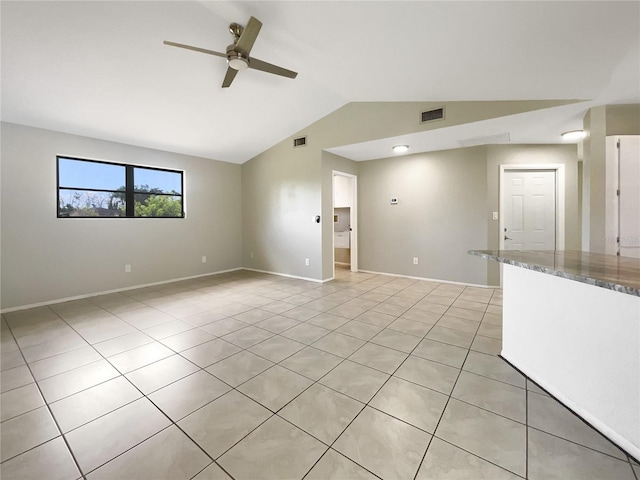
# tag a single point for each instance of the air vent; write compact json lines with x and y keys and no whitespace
{"x":486,"y":140}
{"x":300,"y":142}
{"x":431,"y":115}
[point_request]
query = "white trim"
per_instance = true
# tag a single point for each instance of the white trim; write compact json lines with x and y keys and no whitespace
{"x":117,"y":290}
{"x":286,"y":275}
{"x":430,"y":279}
{"x":341,"y":263}
{"x":135,"y":287}
{"x":559,"y":169}
{"x":353,"y":241}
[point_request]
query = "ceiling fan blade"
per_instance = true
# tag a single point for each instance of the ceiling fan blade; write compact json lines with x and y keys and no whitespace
{"x":228,"y":78}
{"x":195,"y":49}
{"x":249,"y":35}
{"x":269,"y":68}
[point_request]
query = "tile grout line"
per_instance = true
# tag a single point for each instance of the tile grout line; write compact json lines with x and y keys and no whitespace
{"x":317,"y":382}
{"x":385,"y":382}
{"x":435,"y":429}
{"x":391,"y":375}
{"x":123,"y":375}
{"x":348,"y":320}
{"x":450,"y":396}
{"x":575,"y":415}
{"x":64,"y":439}
{"x":314,"y":382}
{"x":172,"y":423}
{"x":308,"y":345}
{"x":346,"y":285}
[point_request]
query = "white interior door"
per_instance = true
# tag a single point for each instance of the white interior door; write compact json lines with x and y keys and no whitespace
{"x":529,"y":207}
{"x":629,"y":199}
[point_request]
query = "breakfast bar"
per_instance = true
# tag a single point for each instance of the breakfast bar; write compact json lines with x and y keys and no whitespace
{"x":571,"y":323}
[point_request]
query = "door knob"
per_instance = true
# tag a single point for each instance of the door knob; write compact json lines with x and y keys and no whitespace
{"x":507,"y":238}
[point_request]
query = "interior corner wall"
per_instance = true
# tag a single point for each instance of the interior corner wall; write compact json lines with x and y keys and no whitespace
{"x":566,"y":155}
{"x":331,"y":162}
{"x":440,"y":215}
{"x":623,"y":119}
{"x":45,"y":258}
{"x":598,"y":123}
{"x":281,"y":197}
{"x":594,"y":181}
{"x":285,"y":187}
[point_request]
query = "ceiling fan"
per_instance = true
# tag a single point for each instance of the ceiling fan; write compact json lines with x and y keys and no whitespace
{"x":238,"y":52}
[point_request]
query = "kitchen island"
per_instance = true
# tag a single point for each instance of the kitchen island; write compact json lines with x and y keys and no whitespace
{"x":571,"y":323}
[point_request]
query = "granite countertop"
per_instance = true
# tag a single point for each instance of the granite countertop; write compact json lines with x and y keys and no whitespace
{"x":621,"y":274}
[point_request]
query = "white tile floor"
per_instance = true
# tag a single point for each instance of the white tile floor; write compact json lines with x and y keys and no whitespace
{"x":249,"y":376}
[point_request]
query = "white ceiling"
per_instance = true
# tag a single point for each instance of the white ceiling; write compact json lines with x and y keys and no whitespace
{"x":100,"y":69}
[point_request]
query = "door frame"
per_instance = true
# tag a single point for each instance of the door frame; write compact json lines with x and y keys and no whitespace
{"x":353,"y":241}
{"x":560,"y":197}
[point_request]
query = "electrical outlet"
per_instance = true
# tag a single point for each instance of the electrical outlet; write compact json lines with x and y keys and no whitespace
{"x":306,"y":262}
{"x":127,"y":268}
{"x":204,"y":259}
{"x":415,"y":260}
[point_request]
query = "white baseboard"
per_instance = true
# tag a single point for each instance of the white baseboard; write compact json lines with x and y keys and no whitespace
{"x":134,"y":287}
{"x":451,"y":282}
{"x":117,"y":290}
{"x":285,"y":275}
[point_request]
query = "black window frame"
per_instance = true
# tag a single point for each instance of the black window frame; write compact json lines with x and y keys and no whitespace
{"x":129,"y":191}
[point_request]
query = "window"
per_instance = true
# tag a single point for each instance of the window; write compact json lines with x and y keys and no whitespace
{"x":90,"y":188}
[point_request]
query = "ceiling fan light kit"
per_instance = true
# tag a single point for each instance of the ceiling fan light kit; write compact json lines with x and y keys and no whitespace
{"x":238,"y":52}
{"x":238,"y":62}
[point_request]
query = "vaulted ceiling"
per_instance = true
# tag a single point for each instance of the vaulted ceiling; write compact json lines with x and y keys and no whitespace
{"x":100,"y":69}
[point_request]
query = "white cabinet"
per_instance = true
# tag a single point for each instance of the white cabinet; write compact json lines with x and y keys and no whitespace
{"x":341,"y":239}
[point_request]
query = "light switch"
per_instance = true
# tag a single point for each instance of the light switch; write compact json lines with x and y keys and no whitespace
{"x":495,"y":215}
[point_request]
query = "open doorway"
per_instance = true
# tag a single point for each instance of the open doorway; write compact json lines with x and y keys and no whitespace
{"x":345,"y":221}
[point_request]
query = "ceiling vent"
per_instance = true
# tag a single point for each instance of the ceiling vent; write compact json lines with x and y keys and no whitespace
{"x":432,"y":115}
{"x":486,"y":140}
{"x":300,"y":141}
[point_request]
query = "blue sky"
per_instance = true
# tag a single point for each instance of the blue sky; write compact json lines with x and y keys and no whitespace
{"x":103,"y":176}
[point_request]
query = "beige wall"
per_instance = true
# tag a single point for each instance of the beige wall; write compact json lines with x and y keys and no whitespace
{"x":440,"y":215}
{"x":331,"y":162}
{"x":623,"y":119}
{"x":283,"y":231}
{"x":281,"y":196}
{"x":539,"y":155}
{"x":364,"y":121}
{"x":260,"y":215}
{"x":593,"y":181}
{"x":600,"y":122}
{"x":45,"y":258}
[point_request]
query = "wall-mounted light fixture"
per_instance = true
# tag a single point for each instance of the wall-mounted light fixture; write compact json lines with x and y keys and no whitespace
{"x":573,"y":135}
{"x":400,"y":148}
